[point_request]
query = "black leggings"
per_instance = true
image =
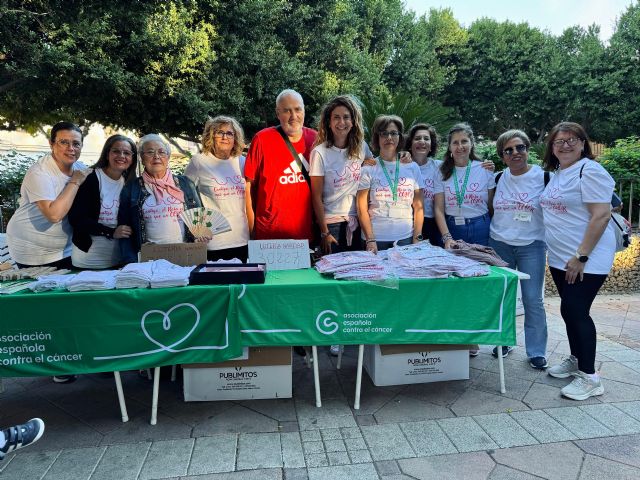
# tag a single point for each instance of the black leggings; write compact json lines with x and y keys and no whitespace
{"x":575,"y":303}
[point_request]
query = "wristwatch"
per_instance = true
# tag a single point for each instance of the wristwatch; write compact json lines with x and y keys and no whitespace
{"x":581,"y":258}
{"x":419,"y":237}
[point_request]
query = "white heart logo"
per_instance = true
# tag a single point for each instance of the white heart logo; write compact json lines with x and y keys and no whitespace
{"x":166,"y":325}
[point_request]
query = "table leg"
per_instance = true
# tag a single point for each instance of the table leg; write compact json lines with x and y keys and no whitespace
{"x":501,"y":369}
{"x":356,"y":403}
{"x":154,"y":401}
{"x":121,"y":401}
{"x":173,"y":372}
{"x":316,"y":376}
{"x":340,"y":350}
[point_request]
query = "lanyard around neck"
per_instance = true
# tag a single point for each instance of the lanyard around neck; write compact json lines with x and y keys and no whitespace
{"x":393,"y":186}
{"x":461,"y":191}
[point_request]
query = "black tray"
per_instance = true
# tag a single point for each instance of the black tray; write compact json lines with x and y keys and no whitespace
{"x":226,"y":273}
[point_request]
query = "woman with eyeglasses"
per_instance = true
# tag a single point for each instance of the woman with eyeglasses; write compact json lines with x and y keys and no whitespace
{"x":218,"y":173}
{"x":463,"y":192}
{"x":94,"y":213}
{"x":336,"y":161}
{"x":39,"y":233}
{"x":576,"y":207}
{"x":150,"y":205}
{"x":389,"y":199}
{"x":517,"y":235}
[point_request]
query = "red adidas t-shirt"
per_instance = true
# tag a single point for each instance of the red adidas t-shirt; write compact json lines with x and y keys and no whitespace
{"x":283,"y":198}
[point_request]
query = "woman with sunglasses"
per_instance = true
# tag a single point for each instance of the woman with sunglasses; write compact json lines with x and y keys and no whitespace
{"x":150,"y":205}
{"x":39,"y":233}
{"x":517,"y":235}
{"x":576,"y":207}
{"x":218,"y":173}
{"x":94,"y":213}
{"x":389,"y":199}
{"x":463,"y":193}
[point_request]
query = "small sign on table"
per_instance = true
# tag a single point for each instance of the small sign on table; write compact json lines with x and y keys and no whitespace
{"x":280,"y":254}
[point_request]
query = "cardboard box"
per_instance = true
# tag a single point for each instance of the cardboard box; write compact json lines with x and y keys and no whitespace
{"x":405,"y":364}
{"x":183,"y":254}
{"x":266,"y":373}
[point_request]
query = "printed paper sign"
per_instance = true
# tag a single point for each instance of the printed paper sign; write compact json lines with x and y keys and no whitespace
{"x":280,"y":254}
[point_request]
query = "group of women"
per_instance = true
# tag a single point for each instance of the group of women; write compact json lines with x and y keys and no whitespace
{"x":67,"y":218}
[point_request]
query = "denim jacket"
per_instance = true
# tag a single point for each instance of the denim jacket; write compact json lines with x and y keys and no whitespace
{"x":132,"y":198}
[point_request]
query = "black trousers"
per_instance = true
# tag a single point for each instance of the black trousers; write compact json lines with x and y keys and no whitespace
{"x":575,"y":304}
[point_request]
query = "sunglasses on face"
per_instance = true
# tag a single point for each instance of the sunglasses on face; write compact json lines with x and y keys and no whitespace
{"x":521,"y":148}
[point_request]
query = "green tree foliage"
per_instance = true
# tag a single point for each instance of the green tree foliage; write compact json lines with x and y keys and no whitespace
{"x":622,"y":160}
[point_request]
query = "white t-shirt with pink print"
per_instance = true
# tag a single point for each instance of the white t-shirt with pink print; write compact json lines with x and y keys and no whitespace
{"x":476,"y":197}
{"x":430,"y":172}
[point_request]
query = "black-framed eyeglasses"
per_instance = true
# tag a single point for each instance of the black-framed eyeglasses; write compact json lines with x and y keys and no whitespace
{"x":66,"y":144}
{"x":569,"y":141}
{"x":152,"y":153}
{"x":222,"y":134}
{"x":521,"y":148}
{"x":389,"y":133}
{"x":124,"y":153}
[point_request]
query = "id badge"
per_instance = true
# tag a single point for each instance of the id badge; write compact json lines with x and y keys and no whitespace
{"x":459,"y":220}
{"x":522,"y":216}
{"x":396,"y":211}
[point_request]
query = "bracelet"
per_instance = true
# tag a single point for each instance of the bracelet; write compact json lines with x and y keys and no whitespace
{"x":371,"y":240}
{"x":447,"y":236}
{"x":324,"y":235}
{"x":75,"y":183}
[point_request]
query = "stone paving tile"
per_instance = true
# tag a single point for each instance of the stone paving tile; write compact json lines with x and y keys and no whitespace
{"x":544,"y":428}
{"x":316,"y":460}
{"x":387,"y":442}
{"x":292,"y":453}
{"x":545,"y":396}
{"x":338,"y":458}
{"x":281,"y":409}
{"x":630,"y":408}
{"x":310,"y":435}
{"x":466,"y":434}
{"x":408,"y":409}
{"x":74,"y":463}
{"x":355,"y":443}
{"x":612,"y":418}
{"x":313,"y":447}
{"x":237,"y":419}
{"x":387,"y":467}
{"x":259,"y":450}
{"x":620,"y":373}
{"x":360,"y":456}
{"x":438,"y":393}
{"x":296,"y":474}
{"x":215,"y":454}
{"x":623,"y":449}
{"x":578,"y":422}
{"x":365,"y":471}
{"x":516,"y":387}
{"x":597,"y":468}
{"x":475,"y":402}
{"x":504,"y":430}
{"x":335,"y":446}
{"x":427,"y":438}
{"x":262,"y":474}
{"x":29,"y":465}
{"x":351,"y":432}
{"x":288,"y":427}
{"x":505,"y":473}
{"x":167,"y":458}
{"x":632,"y":365}
{"x":333,"y":414}
{"x":363,"y":420}
{"x":121,"y":461}
{"x":331,"y":434}
{"x":560,"y":461}
{"x":618,"y":391}
{"x":467,"y":466}
{"x":139,"y":429}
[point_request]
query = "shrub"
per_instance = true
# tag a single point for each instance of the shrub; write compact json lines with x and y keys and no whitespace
{"x":13,"y":167}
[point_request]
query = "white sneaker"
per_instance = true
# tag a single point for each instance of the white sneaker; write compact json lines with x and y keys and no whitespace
{"x":583,"y":387}
{"x":568,"y":368}
{"x":334,"y":350}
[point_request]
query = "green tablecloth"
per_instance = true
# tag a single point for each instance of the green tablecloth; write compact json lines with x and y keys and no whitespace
{"x":62,"y":332}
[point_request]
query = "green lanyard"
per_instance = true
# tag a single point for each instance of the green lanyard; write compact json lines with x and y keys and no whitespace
{"x":460,"y":193}
{"x":393,"y":186}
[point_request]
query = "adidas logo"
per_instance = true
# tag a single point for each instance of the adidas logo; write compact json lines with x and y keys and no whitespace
{"x":292,"y":174}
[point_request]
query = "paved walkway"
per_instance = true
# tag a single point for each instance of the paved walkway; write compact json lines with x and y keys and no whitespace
{"x":457,"y":430}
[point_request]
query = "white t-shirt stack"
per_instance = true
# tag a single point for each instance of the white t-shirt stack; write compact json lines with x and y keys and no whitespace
{"x":430,"y":173}
{"x":341,"y":177}
{"x":391,"y":220}
{"x":104,"y":252}
{"x":566,"y":215}
{"x":32,"y":239}
{"x":476,"y":197}
{"x":222,"y":187}
{"x":162,"y":219}
{"x":517,"y":217}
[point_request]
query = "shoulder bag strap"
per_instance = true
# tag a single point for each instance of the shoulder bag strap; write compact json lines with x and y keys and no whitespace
{"x":294,"y":154}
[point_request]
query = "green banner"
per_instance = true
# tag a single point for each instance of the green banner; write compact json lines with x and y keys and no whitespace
{"x":64,"y":333}
{"x":301,"y":307}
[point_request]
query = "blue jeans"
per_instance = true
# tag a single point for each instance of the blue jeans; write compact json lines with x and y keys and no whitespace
{"x":529,"y":259}
{"x":474,"y":230}
{"x":339,"y":232}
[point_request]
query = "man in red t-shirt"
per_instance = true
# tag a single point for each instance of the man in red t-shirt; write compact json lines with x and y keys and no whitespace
{"x":279,"y":206}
